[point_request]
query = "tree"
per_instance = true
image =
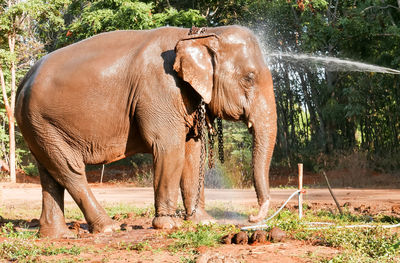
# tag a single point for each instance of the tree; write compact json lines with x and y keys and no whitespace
{"x":323,"y":109}
{"x":84,"y":19}
{"x":18,"y":47}
{"x":216,"y":12}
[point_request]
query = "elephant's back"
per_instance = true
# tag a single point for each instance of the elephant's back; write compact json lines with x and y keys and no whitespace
{"x":90,"y":81}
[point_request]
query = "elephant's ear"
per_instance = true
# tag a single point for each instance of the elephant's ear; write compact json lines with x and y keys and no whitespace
{"x":194,"y":62}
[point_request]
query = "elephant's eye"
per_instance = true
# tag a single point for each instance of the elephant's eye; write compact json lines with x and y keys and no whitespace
{"x":250,"y":78}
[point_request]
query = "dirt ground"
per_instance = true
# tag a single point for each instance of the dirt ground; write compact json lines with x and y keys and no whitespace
{"x":139,"y":230}
{"x":378,"y":200}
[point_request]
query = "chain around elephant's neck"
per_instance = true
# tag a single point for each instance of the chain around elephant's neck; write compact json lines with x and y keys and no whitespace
{"x":197,"y":30}
{"x":211,"y":131}
{"x":201,"y":127}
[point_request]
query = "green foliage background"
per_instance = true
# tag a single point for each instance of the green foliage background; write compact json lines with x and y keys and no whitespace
{"x":322,"y":113}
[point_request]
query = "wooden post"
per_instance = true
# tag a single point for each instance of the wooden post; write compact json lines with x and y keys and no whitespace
{"x":300,"y":167}
{"x":102,"y":173}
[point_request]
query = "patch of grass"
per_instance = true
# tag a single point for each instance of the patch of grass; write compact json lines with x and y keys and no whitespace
{"x":17,"y":213}
{"x":387,"y":219}
{"x":123,"y":210}
{"x":187,"y":259}
{"x":8,"y":231}
{"x":359,"y":244}
{"x":26,"y":251}
{"x":192,"y":236}
{"x":19,"y":246}
{"x":372,"y":244}
{"x":73,"y":213}
{"x":52,"y":250}
{"x":140,"y":247}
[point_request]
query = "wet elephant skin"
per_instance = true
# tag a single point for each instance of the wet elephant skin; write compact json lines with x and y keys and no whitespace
{"x":127,"y":92}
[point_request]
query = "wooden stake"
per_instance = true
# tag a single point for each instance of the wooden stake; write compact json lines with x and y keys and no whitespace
{"x":300,"y":167}
{"x":332,"y":194}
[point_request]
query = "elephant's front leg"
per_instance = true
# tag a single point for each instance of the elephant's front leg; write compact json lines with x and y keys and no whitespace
{"x":192,"y":188}
{"x":168,"y":165}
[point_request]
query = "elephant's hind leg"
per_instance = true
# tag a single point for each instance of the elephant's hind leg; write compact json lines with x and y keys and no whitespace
{"x":52,"y":223}
{"x":73,"y":178}
{"x":94,"y":213}
{"x":67,"y":171}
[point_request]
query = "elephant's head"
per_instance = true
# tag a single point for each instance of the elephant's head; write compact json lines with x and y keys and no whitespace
{"x":226,"y":67}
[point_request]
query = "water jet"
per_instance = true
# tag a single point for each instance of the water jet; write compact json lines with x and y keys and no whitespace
{"x":331,"y":63}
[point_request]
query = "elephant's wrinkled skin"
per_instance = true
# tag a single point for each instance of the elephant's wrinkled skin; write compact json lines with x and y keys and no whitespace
{"x":125,"y":92}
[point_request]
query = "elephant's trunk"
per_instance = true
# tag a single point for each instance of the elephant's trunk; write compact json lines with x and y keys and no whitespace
{"x":264,"y":134}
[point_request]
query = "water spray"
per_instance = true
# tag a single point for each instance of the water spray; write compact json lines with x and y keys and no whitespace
{"x":332,"y":63}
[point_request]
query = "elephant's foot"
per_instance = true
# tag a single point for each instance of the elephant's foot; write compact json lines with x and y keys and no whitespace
{"x":105,"y":225}
{"x":166,"y":222}
{"x":201,"y":216}
{"x":60,"y":231}
{"x":262,"y":214}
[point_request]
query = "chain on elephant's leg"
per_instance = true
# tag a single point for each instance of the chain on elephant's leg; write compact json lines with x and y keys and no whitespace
{"x":193,"y":197}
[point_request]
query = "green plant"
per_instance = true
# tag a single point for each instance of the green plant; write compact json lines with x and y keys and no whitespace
{"x":8,"y":231}
{"x":140,"y":247}
{"x":26,"y":251}
{"x":373,"y":243}
{"x":192,"y":236}
{"x":31,"y":169}
{"x":123,"y":210}
{"x":359,"y":244}
{"x":73,"y":213}
{"x":187,"y":259}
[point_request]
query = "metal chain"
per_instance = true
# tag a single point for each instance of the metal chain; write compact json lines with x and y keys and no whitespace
{"x":201,"y":131}
{"x":201,"y":124}
{"x":201,"y":117}
{"x":176,"y":214}
{"x":211,"y":141}
{"x":220,"y":140}
{"x":197,"y":30}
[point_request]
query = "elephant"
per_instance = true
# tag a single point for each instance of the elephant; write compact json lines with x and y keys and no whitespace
{"x":139,"y":91}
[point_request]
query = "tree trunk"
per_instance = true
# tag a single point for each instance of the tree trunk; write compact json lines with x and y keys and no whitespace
{"x":10,"y":114}
{"x":12,"y":164}
{"x":11,"y":123}
{"x":10,"y":105}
